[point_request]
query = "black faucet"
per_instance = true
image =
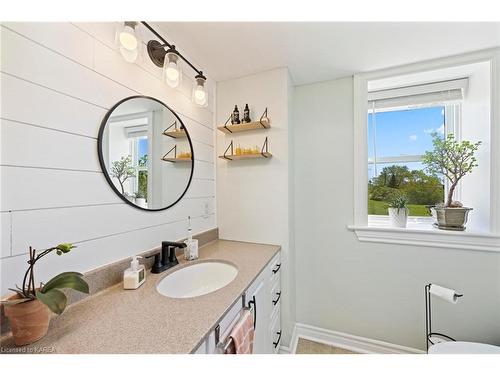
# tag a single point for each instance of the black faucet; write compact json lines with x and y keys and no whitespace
{"x":166,"y":258}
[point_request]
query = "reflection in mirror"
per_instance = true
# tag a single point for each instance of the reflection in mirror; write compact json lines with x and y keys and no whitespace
{"x":146,"y":153}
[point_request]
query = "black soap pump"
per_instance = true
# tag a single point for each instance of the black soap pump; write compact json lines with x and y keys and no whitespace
{"x":235,"y":118}
{"x":246,"y":114}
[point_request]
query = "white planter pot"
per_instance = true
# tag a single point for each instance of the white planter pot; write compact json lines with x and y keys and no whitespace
{"x":398,"y":217}
{"x":141,"y":202}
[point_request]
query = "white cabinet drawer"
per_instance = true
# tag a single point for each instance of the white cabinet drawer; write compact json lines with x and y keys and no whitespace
{"x":275,"y":333}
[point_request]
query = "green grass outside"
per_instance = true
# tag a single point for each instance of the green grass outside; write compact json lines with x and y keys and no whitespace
{"x":380,"y":208}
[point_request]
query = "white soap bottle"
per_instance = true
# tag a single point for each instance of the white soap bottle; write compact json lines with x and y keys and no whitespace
{"x":134,"y":276}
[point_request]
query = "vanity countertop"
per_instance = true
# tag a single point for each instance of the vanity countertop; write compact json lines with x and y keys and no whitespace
{"x":142,"y":320}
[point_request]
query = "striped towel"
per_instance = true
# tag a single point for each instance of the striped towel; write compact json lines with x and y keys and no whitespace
{"x":243,"y":333}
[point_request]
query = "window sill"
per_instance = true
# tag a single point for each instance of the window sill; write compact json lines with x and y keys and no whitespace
{"x":420,"y":232}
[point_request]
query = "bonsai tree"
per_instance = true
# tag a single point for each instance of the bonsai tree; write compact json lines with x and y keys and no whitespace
{"x":122,"y":170}
{"x":452,"y":159}
{"x":49,"y":293}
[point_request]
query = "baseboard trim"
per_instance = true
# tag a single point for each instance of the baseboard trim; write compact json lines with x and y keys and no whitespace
{"x":345,"y":341}
{"x":293,"y":343}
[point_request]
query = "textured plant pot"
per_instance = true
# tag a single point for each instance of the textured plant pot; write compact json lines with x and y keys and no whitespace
{"x":398,"y":217}
{"x":141,"y":202}
{"x":451,"y":218}
{"x":29,"y":321}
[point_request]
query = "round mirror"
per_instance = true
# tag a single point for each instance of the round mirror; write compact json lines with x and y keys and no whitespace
{"x":146,"y":153}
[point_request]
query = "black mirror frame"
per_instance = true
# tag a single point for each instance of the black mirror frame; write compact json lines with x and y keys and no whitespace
{"x":103,"y":165}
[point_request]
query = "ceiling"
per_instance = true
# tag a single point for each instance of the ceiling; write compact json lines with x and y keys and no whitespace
{"x":318,"y":51}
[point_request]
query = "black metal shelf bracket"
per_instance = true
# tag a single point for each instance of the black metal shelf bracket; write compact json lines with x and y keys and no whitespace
{"x":227,"y":149}
{"x":264,"y":147}
{"x":264,"y":115}
{"x":225,"y":124}
{"x":165,"y":157}
{"x":175,"y":128}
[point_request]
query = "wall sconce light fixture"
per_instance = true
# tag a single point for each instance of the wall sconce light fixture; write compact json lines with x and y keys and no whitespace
{"x":169,"y":60}
{"x":199,"y":91}
{"x":171,"y":71}
{"x":129,"y":41}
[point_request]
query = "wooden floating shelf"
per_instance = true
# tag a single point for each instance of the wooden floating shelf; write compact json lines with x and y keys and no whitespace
{"x":265,"y":123}
{"x":177,"y":160}
{"x":176,"y":134}
{"x":263,"y":155}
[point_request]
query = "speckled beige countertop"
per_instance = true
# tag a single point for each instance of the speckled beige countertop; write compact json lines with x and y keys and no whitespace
{"x":144,"y":321}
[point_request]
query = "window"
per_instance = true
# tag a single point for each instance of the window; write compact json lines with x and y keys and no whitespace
{"x":458,"y":93}
{"x":397,"y":140}
{"x":139,"y":148}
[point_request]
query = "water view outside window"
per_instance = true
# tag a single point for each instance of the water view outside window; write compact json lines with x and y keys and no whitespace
{"x":396,"y":142}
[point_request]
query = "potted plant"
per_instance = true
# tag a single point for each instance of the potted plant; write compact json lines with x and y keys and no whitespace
{"x":28,"y":309}
{"x":398,"y":210}
{"x":453,"y":160}
{"x":122,"y":170}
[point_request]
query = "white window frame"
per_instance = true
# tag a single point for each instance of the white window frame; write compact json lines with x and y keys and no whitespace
{"x":134,"y":151}
{"x":452,"y":125}
{"x":416,"y":233}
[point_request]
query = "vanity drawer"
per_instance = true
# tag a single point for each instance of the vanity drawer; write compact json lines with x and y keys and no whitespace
{"x":274,"y":268}
{"x":275,"y":297}
{"x":275,"y":333}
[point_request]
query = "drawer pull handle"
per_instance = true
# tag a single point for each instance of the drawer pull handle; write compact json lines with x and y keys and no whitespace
{"x":275,"y":301}
{"x":276,"y":343}
{"x":278,"y":266}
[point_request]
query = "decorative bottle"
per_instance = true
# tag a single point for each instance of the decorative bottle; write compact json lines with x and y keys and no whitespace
{"x":235,"y":118}
{"x":246,"y":114}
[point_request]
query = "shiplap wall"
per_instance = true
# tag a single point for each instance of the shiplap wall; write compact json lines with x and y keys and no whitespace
{"x":57,"y":82}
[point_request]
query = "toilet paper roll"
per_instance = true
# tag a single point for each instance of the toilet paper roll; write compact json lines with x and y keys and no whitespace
{"x":448,"y":295}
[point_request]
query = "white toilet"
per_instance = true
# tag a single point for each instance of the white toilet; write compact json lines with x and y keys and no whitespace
{"x":463,"y":347}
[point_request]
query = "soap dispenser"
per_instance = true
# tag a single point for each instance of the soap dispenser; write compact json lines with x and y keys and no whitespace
{"x":134,"y":276}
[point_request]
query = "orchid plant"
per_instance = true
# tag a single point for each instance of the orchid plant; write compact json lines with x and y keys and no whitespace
{"x":49,"y":293}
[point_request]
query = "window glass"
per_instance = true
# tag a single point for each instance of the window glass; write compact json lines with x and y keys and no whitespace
{"x":396,"y":142}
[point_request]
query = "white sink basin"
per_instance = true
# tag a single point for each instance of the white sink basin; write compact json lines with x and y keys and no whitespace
{"x":197,"y":280}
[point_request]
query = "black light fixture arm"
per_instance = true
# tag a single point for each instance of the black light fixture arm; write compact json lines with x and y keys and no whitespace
{"x":171,"y":46}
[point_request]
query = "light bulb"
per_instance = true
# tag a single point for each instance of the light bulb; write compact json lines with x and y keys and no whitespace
{"x":199,"y":92}
{"x":127,"y":37}
{"x":199,"y":95}
{"x":172,"y":72}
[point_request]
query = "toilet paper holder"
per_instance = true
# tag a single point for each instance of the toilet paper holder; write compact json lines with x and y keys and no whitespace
{"x":429,"y":335}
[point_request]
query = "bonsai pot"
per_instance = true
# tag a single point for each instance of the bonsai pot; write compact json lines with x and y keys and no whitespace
{"x":141,"y":202}
{"x":398,"y":217}
{"x":451,"y":218}
{"x":29,"y":321}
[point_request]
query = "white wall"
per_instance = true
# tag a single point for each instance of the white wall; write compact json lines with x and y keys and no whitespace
{"x":253,"y":195}
{"x":58,"y":81}
{"x":476,"y":127}
{"x":366,"y":289}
